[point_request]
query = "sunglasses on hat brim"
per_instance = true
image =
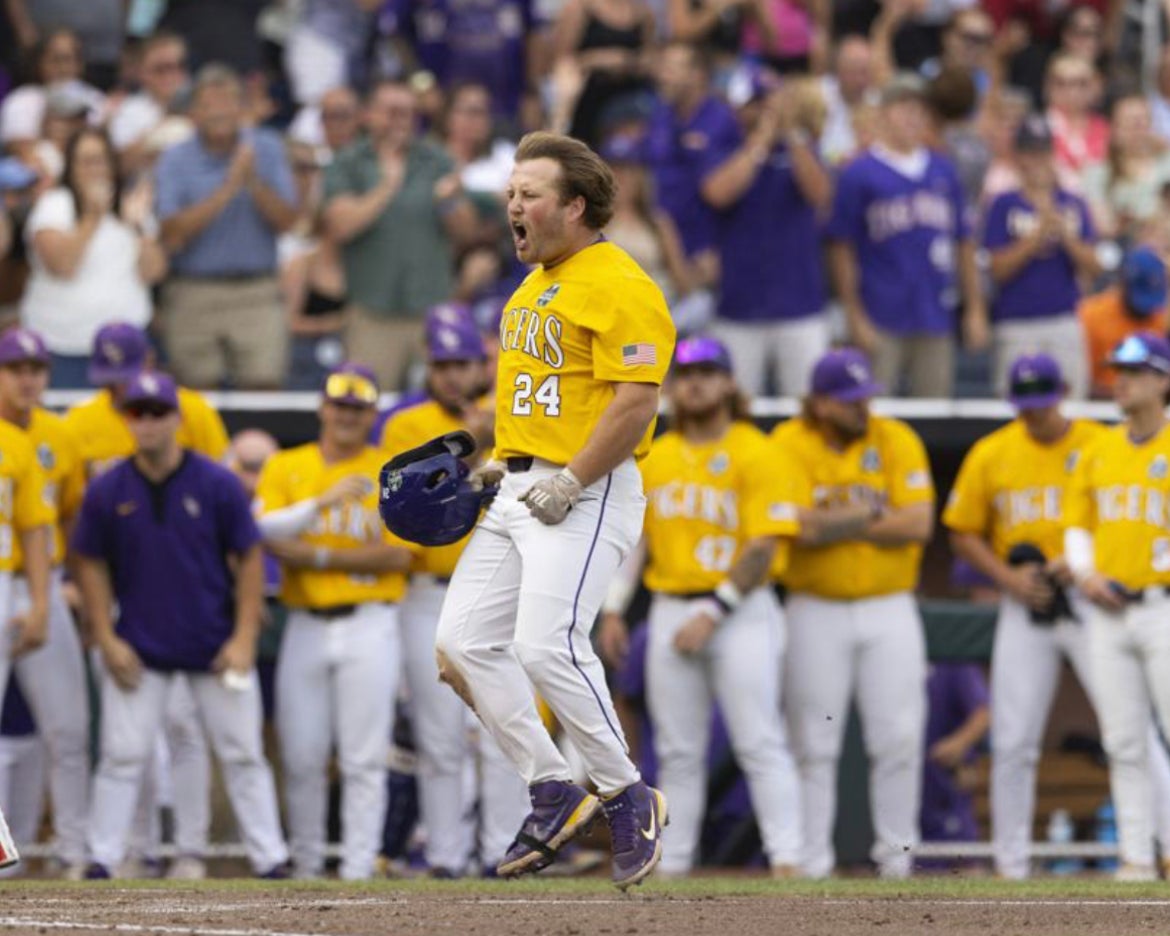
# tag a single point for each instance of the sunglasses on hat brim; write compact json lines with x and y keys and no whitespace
{"x":351,"y":389}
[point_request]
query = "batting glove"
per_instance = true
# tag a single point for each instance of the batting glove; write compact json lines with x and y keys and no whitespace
{"x":489,"y":474}
{"x":551,"y":499}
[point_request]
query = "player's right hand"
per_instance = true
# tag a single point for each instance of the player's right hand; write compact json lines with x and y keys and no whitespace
{"x":31,"y":630}
{"x":489,"y":474}
{"x":1101,"y":592}
{"x":1027,"y":584}
{"x":613,"y":639}
{"x":349,"y":488}
{"x":122,"y":662}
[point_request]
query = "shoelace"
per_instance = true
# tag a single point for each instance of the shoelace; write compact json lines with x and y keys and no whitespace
{"x":622,"y":825}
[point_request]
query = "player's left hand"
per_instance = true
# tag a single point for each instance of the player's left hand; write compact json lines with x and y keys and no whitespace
{"x":237,"y":655}
{"x":948,"y":752}
{"x":31,"y":630}
{"x":698,"y":629}
{"x":549,"y":500}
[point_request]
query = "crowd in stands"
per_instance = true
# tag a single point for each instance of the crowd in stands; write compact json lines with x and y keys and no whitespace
{"x":277,"y":186}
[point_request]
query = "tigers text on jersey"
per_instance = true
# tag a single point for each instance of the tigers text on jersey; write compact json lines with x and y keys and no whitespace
{"x":1011,"y":488}
{"x":1120,"y":493}
{"x":408,"y":429}
{"x":567,"y":335}
{"x":104,"y":437}
{"x":58,"y":455}
{"x":889,"y":466}
{"x":704,"y":501}
{"x":24,"y":500}
{"x":298,"y":474}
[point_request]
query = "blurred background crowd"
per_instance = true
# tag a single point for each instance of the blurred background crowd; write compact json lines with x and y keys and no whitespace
{"x":273,"y":187}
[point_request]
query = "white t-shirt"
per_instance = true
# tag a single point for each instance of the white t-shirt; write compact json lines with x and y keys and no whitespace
{"x":105,"y":288}
{"x":134,"y":118}
{"x":22,"y":113}
{"x":490,"y":173}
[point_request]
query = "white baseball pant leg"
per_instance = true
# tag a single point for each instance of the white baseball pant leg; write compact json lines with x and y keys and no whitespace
{"x":503,"y":799}
{"x":23,"y":772}
{"x":9,"y":855}
{"x":523,"y":601}
{"x":794,"y":346}
{"x":740,"y":669}
{"x":875,"y":645}
{"x":1130,"y":655}
{"x":189,"y":761}
{"x":53,"y":681}
{"x":336,"y":681}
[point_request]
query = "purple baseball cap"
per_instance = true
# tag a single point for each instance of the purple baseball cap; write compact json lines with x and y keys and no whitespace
{"x":119,"y":352}
{"x":1035,"y":382}
{"x":352,"y":385}
{"x":22,"y":344}
{"x":453,"y":335}
{"x":147,"y":387}
{"x":844,"y":374}
{"x":1143,"y":349}
{"x":624,"y":149}
{"x":702,"y":350}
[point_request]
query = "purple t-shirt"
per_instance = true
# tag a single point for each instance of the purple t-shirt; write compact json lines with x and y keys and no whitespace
{"x":16,"y":719}
{"x":681,"y":154}
{"x":769,"y":246}
{"x":167,"y":546}
{"x":906,"y":234}
{"x":953,"y":691}
{"x":1047,"y":284}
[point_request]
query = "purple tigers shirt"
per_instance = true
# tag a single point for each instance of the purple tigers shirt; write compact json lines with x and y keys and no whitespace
{"x":167,"y":546}
{"x":906,"y":234}
{"x":1046,"y":286}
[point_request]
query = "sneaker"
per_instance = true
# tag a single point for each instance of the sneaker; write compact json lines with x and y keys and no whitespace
{"x":636,"y":817}
{"x":187,"y":868}
{"x":560,"y":811}
{"x":97,"y":872}
{"x":280,"y":872}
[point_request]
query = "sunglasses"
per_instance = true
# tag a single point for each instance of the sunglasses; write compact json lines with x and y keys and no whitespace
{"x":1133,"y":354}
{"x":251,"y":467}
{"x":351,"y":388}
{"x":139,"y":411}
{"x":1034,"y":387}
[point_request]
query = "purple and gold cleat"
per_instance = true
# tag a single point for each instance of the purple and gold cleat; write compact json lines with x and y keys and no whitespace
{"x":636,"y":817}
{"x":560,"y":811}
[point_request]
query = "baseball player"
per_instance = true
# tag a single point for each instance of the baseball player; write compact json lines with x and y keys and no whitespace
{"x":454,"y":377}
{"x":23,"y":771}
{"x":716,"y":518}
{"x":169,"y":536}
{"x":866,"y":505}
{"x":1006,"y":519}
{"x":52,"y":677}
{"x":1118,"y":550}
{"x":584,"y":344}
{"x":337,"y":670}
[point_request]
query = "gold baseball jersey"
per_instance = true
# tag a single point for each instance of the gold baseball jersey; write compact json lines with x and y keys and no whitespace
{"x":567,"y":335}
{"x":888,"y":465}
{"x":58,"y":456}
{"x":300,"y":473}
{"x":1120,"y":493}
{"x":410,"y":428}
{"x":24,"y":502}
{"x":705,"y":501}
{"x":1011,"y":489}
{"x":104,"y":437}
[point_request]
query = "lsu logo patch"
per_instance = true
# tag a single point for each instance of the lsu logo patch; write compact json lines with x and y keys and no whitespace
{"x":192,"y":507}
{"x":46,"y":457}
{"x":1158,"y":468}
{"x":548,"y":295}
{"x":871,"y":460}
{"x":1070,"y":463}
{"x":719,"y":464}
{"x":394,"y":482}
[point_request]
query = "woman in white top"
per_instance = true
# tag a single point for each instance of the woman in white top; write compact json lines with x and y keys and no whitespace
{"x":92,"y":260}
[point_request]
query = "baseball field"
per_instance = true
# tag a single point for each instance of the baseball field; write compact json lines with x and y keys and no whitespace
{"x":737,"y":906}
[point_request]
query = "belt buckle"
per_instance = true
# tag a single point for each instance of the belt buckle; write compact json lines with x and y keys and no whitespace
{"x":519,"y":463}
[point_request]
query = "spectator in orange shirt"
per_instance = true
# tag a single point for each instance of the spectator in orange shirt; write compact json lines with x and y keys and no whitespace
{"x":1137,"y":303}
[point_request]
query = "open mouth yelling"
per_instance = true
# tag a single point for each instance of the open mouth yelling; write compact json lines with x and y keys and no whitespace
{"x":520,"y":235}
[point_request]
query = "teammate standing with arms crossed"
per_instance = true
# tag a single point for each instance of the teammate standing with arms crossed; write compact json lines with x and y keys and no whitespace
{"x":1118,"y":547}
{"x":53,"y":677}
{"x":716,"y":521}
{"x":585,"y":343}
{"x":337,"y":669}
{"x":866,"y":505}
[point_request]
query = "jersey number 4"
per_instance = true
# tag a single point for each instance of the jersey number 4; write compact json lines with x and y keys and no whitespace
{"x":548,"y":395}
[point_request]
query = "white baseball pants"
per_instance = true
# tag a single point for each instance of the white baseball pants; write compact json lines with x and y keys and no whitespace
{"x":442,"y":726}
{"x":131,"y":720}
{"x":336,"y":681}
{"x":740,"y":669}
{"x":876,"y":648}
{"x":1130,"y":656}
{"x":1025,"y":673}
{"x":23,"y":774}
{"x":793,"y":347}
{"x":519,"y":612}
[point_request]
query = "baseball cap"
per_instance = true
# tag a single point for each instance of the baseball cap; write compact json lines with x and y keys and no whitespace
{"x":624,"y":149}
{"x":150,"y":388}
{"x":22,"y":344}
{"x":1143,"y":280}
{"x":119,"y":352}
{"x":1142,"y":350}
{"x":68,"y":99}
{"x":1035,"y":382}
{"x":1033,"y":135}
{"x":904,"y":86}
{"x":844,"y":374}
{"x":15,"y":175}
{"x":352,"y":385}
{"x":452,"y":334}
{"x":702,"y":350}
{"x":750,"y":82}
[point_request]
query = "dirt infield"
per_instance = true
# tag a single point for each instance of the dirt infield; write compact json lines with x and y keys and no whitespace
{"x":719,"y":906}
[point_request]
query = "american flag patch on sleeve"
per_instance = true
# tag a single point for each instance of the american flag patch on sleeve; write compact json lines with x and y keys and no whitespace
{"x":636,"y":354}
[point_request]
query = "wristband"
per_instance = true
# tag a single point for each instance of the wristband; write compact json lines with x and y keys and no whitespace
{"x":728,"y":596}
{"x":321,"y":557}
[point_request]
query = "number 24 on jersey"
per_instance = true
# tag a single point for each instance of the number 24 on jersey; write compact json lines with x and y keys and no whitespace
{"x":547,"y":395}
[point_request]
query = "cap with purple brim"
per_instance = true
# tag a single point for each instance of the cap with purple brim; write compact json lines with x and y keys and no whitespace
{"x":624,"y":149}
{"x":150,"y":388}
{"x":1142,"y":351}
{"x":18,"y":345}
{"x":1035,"y":382}
{"x":119,"y":352}
{"x":844,"y":374}
{"x":453,"y":334}
{"x":352,"y":385}
{"x":702,"y":351}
